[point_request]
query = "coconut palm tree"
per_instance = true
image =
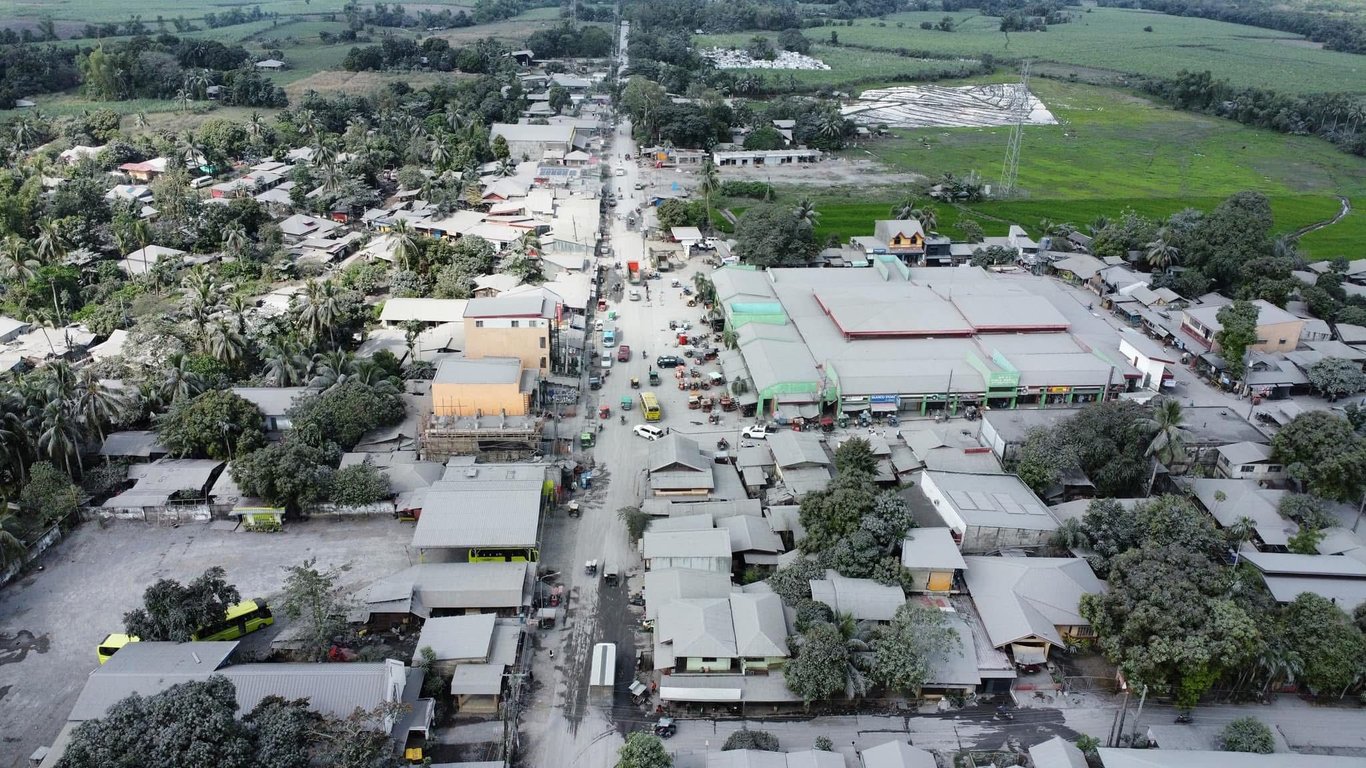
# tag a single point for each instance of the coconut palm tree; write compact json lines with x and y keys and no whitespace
{"x":97,"y":404}
{"x":440,"y":153}
{"x":407,"y":249}
{"x":856,"y":636}
{"x":223,"y":342}
{"x":50,"y":244}
{"x":235,"y":239}
{"x":928,"y":218}
{"x":1168,"y":438}
{"x":905,"y":209}
{"x":709,"y":185}
{"x":60,"y":435}
{"x":16,"y":265}
{"x":806,"y":214}
{"x":1160,"y":253}
{"x":178,"y":380}
{"x":318,"y":307}
{"x":237,"y":309}
{"x":830,"y":124}
{"x":285,"y":363}
{"x":307,"y":122}
{"x":332,"y":368}
{"x":506,"y":167}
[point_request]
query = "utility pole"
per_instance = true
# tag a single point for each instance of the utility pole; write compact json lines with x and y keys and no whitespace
{"x":1142,"y":697}
{"x":1123,"y":715}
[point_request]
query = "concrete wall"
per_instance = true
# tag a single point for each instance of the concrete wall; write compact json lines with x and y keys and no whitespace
{"x":718,"y":564}
{"x":1278,"y":337}
{"x":486,"y":399}
{"x":530,"y":345}
{"x":176,"y":513}
{"x":43,"y":543}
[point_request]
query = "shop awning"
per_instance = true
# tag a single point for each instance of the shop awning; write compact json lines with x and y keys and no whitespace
{"x":884,"y":407}
{"x":854,"y":407}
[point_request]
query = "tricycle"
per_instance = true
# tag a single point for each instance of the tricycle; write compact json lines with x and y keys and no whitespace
{"x":654,"y":378}
{"x":722,"y":444}
{"x":591,"y":568}
{"x":625,"y":402}
{"x":635,"y":382}
{"x":665,"y":727}
{"x":605,"y":412}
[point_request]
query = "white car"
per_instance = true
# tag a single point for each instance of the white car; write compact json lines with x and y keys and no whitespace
{"x":621,"y":171}
{"x":606,"y":360}
{"x":758,"y":431}
{"x":648,"y":431}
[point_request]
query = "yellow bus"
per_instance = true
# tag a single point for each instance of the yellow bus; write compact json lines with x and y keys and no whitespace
{"x":241,"y":619}
{"x":650,"y":405}
{"x":504,"y":555}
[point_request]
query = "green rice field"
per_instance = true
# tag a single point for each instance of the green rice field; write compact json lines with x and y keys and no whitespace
{"x":1114,"y":39}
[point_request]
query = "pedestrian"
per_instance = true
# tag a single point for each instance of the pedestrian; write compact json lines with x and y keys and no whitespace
{"x":552,"y":653}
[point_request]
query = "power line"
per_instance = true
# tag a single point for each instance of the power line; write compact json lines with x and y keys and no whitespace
{"x":1020,"y":106}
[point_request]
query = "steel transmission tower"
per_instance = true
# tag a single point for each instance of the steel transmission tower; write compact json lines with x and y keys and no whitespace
{"x":1020,"y":106}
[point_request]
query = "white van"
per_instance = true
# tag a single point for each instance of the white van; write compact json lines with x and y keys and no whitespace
{"x":201,"y":182}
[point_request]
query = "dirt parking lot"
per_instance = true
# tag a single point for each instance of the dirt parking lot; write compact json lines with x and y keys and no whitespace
{"x":51,"y":620}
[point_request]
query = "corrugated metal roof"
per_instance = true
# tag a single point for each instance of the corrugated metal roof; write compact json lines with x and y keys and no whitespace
{"x":1018,"y":597}
{"x":457,"y":637}
{"x":897,"y":754}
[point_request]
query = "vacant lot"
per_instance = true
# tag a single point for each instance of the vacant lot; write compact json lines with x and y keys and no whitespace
{"x":1113,"y":39}
{"x":848,"y":66}
{"x":51,"y":621}
{"x":1111,"y":151}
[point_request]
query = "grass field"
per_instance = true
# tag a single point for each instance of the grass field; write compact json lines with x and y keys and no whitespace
{"x":1113,"y":151}
{"x":847,"y":65}
{"x":1113,"y":39}
{"x":81,"y":12}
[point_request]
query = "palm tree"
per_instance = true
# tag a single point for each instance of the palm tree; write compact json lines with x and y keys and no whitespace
{"x":224,"y":342}
{"x":407,"y":249}
{"x":49,"y":245}
{"x":237,"y":309}
{"x":16,"y":266}
{"x":60,"y":434}
{"x":830,"y":124}
{"x":306,"y":120}
{"x":235,"y":239}
{"x":285,"y":363}
{"x":1161,"y":254}
{"x":855,"y":634}
{"x":317,"y":308}
{"x":332,"y":368}
{"x":506,"y":167}
{"x":928,"y":218}
{"x":1168,"y":437}
{"x":806,"y":214}
{"x":440,"y":153}
{"x":710,"y":184}
{"x":905,"y":209}
{"x":97,"y":404}
{"x":179,"y":380}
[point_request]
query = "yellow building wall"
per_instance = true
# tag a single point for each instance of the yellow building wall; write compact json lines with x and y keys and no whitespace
{"x":470,"y":399}
{"x":1271,"y":337}
{"x":530,"y":345}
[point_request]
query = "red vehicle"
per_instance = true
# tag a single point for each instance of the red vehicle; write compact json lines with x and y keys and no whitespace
{"x":623,"y":354}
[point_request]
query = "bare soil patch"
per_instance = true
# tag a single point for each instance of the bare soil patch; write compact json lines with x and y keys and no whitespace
{"x":332,"y":80}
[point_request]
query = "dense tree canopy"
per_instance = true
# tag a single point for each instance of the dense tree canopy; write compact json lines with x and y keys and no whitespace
{"x":1322,"y":451}
{"x":1107,"y":441}
{"x":771,"y":236}
{"x":907,"y":649}
{"x":818,"y":671}
{"x":172,"y":611}
{"x":217,"y":424}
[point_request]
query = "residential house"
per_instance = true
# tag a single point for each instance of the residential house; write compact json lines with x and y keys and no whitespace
{"x":141,"y":261}
{"x":741,"y":633}
{"x":1030,"y":604}
{"x":273,"y":65}
{"x":664,"y":585}
{"x":529,"y":142}
{"x":1249,"y":461}
{"x":1057,"y":753}
{"x":76,"y":154}
{"x":932,"y":559}
{"x":133,"y":444}
{"x":903,"y":238}
{"x":429,"y":312}
{"x":300,"y":227}
{"x":275,"y":403}
{"x":491,"y":385}
{"x":1114,"y":757}
{"x":10,"y":328}
{"x":481,"y":506}
{"x":863,"y":599}
{"x":155,"y":485}
{"x":334,"y":690}
{"x":1338,"y":578}
{"x":1277,"y":330}
{"x":1156,"y":362}
{"x":800,"y":461}
{"x":678,"y":467}
{"x":704,"y":550}
{"x":510,"y":326}
{"x":145,"y":171}
{"x":1229,"y":502}
{"x":897,"y":754}
{"x":1078,"y":268}
{"x":988,"y":513}
{"x":447,"y":589}
{"x":752,"y":540}
{"x":476,"y":650}
{"x":753,"y":758}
